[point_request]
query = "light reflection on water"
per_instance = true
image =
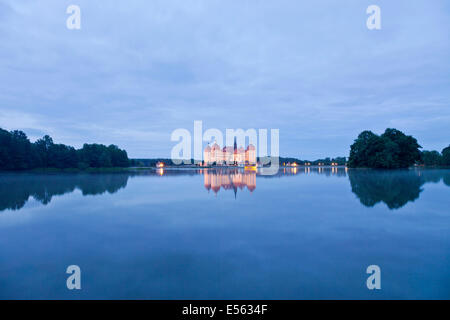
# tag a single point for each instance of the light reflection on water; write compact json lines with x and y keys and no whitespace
{"x":306,"y":232}
{"x":394,"y":188}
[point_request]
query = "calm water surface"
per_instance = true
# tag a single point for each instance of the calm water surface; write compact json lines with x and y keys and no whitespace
{"x":226,"y":234}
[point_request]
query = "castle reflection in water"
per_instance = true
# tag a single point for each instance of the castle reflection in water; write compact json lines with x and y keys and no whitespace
{"x":395,"y":188}
{"x":238,"y":179}
{"x":229,"y":180}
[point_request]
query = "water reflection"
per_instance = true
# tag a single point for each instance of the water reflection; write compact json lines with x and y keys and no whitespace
{"x":327,"y":171}
{"x":394,"y":188}
{"x":16,"y":189}
{"x":229,"y":179}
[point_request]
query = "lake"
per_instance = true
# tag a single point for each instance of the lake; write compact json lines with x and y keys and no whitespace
{"x":304,"y":233}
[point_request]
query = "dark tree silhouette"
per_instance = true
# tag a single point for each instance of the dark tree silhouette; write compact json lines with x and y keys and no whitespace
{"x":446,"y":156}
{"x":18,"y":153}
{"x":392,"y":150}
{"x":431,"y":158}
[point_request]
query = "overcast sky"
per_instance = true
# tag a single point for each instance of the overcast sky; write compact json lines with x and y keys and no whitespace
{"x":137,"y":70}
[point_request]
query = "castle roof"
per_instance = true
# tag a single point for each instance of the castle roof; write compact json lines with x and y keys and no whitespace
{"x":215,"y":146}
{"x":251,"y":147}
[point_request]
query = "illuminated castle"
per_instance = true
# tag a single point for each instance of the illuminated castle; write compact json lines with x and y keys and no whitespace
{"x":229,"y":155}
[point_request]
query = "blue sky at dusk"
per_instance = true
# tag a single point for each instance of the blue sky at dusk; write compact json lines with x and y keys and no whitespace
{"x":137,"y":70}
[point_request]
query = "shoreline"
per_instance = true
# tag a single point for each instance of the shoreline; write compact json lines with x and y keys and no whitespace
{"x":181,"y":167}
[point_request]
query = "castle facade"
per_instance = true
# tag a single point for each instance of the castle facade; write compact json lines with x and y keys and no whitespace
{"x":229,"y":155}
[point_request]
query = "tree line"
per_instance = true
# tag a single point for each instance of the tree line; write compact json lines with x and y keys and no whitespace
{"x":434,"y":158}
{"x":391,"y":150}
{"x":18,"y":153}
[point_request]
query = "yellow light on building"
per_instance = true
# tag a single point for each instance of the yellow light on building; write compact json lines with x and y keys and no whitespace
{"x":160,"y":165}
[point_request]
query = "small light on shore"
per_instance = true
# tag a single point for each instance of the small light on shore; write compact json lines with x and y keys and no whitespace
{"x":160,"y":165}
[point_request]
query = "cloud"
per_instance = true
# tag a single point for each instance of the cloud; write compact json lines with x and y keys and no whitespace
{"x":16,"y":120}
{"x":138,"y":70}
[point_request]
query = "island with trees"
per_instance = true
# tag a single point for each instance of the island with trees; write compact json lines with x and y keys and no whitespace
{"x":392,"y":150}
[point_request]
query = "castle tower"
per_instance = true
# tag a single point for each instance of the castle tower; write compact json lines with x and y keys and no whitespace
{"x":235,"y":155}
{"x":207,"y":155}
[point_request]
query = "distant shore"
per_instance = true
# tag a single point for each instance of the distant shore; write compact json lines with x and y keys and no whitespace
{"x":189,"y":166}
